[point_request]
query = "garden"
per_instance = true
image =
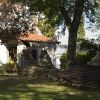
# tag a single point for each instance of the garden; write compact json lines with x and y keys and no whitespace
{"x":25,"y":89}
{"x":27,"y":75}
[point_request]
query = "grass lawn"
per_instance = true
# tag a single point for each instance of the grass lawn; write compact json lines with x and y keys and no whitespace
{"x":23,"y":89}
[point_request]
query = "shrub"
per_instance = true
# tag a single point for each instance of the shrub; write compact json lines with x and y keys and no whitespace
{"x":88,"y":45}
{"x":10,"y":66}
{"x":2,"y":70}
{"x":63,"y":60}
{"x":87,"y":51}
{"x":83,"y":57}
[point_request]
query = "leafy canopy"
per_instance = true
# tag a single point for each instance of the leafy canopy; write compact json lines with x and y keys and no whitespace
{"x":52,"y":10}
{"x":13,"y":20}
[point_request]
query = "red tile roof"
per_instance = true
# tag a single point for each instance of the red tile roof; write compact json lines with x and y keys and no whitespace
{"x":34,"y":38}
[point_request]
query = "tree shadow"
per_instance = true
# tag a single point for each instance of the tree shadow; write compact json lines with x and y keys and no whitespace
{"x":24,"y":89}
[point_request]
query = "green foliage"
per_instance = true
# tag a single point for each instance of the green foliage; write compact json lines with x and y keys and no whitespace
{"x":84,"y":57}
{"x":2,"y":70}
{"x":13,"y":20}
{"x":89,"y":45}
{"x":69,"y":13}
{"x":98,"y":16}
{"x":87,"y":52}
{"x":63,"y":60}
{"x":81,"y":30}
{"x":47,"y":28}
{"x":9,"y":67}
{"x":52,"y":8}
{"x":81,"y":58}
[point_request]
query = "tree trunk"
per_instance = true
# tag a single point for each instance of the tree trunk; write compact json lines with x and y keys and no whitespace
{"x":79,"y":5}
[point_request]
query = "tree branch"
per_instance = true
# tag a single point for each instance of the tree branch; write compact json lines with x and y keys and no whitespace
{"x":65,"y":16}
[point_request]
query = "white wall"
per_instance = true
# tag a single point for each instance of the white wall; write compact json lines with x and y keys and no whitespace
{"x":60,"y":49}
{"x":4,"y":54}
{"x":20,"y":48}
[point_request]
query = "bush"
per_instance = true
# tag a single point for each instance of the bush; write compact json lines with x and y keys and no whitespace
{"x":88,"y":45}
{"x":10,"y":66}
{"x":81,"y":58}
{"x":63,"y":60}
{"x":2,"y":70}
{"x":87,"y":52}
{"x":84,"y":57}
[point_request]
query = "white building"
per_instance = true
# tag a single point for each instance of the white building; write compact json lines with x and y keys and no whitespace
{"x":60,"y":48}
{"x":4,"y":54}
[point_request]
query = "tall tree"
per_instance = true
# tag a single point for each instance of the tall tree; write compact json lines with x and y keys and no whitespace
{"x":13,"y":20}
{"x":79,"y":5}
{"x":68,"y":12}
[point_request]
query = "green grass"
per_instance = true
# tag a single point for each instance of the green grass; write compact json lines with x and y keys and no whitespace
{"x":24,"y":89}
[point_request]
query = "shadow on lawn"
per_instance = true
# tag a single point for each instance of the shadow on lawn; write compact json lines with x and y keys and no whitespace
{"x":23,"y":89}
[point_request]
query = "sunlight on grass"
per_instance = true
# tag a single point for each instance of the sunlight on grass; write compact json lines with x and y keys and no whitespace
{"x":13,"y":89}
{"x":53,"y":88}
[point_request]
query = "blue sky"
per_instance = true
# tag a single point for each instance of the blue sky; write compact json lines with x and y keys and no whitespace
{"x":89,"y":34}
{"x":63,"y":38}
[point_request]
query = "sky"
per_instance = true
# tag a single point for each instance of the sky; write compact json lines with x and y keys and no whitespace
{"x":62,"y":38}
{"x":92,"y":35}
{"x":89,"y":34}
